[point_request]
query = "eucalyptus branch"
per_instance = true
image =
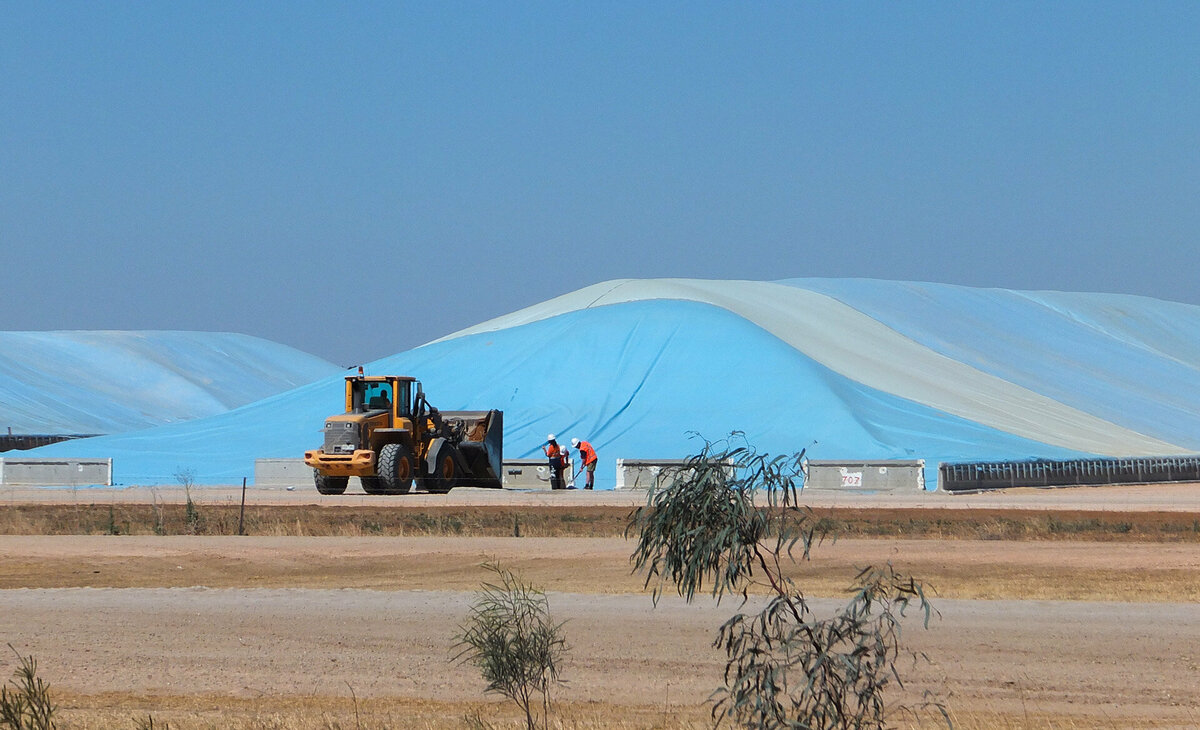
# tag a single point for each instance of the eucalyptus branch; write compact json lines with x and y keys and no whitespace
{"x":784,"y":667}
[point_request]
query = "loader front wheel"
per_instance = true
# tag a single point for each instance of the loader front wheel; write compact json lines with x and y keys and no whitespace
{"x":373,"y":485}
{"x":395,"y":468}
{"x":329,"y":484}
{"x":446,"y":474}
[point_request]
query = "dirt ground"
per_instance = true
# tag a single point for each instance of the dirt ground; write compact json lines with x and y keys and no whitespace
{"x":323,"y":632}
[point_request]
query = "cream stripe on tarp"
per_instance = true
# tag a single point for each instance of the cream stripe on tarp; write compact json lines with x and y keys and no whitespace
{"x":864,"y":350}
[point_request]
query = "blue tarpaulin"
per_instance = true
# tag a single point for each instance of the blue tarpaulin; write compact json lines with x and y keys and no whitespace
{"x":866,"y":369}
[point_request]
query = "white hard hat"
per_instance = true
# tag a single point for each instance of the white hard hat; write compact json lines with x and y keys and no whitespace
{"x":551,"y":438}
{"x":574,"y":442}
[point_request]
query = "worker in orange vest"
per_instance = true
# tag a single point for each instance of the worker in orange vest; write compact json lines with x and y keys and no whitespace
{"x":557,"y":456}
{"x":588,"y":459}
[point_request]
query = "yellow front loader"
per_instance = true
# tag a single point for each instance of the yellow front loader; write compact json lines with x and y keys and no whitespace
{"x":390,"y":437}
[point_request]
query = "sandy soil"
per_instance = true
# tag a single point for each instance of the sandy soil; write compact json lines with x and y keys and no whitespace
{"x":207,"y":623}
{"x":1130,"y":572}
{"x":1127,"y":664}
{"x":386,"y":629}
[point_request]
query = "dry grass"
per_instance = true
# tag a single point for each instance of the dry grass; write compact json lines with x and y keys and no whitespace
{"x":1022,"y":581}
{"x":311,"y":520}
{"x":1146,"y":581}
{"x":956,"y":582}
{"x":1034,"y":719}
{"x":111,"y":711}
{"x":1078,"y":570}
{"x":90,"y":518}
{"x":107,"y":711}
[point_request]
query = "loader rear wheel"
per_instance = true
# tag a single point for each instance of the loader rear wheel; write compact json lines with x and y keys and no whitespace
{"x":328,"y":484}
{"x":395,"y":468}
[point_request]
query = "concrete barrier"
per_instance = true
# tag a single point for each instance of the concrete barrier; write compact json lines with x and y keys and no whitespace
{"x":30,"y":472}
{"x":530,"y":473}
{"x":526,"y":474}
{"x":518,"y":474}
{"x":867,"y":476}
{"x":648,"y":473}
{"x":282,"y":473}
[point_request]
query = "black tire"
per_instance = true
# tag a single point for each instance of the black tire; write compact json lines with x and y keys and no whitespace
{"x":445,"y":474}
{"x":328,"y":484}
{"x":373,"y":485}
{"x":395,"y":468}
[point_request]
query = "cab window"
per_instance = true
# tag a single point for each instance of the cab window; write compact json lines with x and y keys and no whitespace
{"x":403,"y":398}
{"x":372,"y":396}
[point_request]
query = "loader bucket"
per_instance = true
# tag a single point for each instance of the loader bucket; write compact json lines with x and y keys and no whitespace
{"x":482,"y":447}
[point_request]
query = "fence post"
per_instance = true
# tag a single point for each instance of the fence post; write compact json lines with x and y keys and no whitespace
{"x":242,"y":512}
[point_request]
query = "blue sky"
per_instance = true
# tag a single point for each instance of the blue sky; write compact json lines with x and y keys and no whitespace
{"x":357,"y":179}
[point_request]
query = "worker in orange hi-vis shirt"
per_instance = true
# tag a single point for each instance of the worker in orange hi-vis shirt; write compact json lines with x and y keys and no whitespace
{"x":587,"y":455}
{"x":557,"y":457}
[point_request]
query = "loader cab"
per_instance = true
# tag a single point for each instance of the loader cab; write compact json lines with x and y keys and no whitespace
{"x":368,"y":394}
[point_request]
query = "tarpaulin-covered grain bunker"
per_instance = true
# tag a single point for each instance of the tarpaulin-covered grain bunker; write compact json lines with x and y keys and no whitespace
{"x":867,"y":369}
